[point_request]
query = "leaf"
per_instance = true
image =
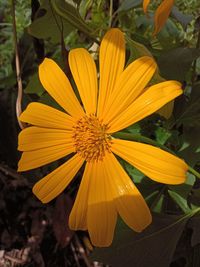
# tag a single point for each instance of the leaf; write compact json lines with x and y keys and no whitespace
{"x":137,"y":49}
{"x":175,"y":63}
{"x":194,"y":224}
{"x":190,"y":115}
{"x":184,"y":189}
{"x":34,"y":86}
{"x":162,"y":135}
{"x":60,"y":220}
{"x":184,"y":19}
{"x":180,"y":201}
{"x":128,"y":4}
{"x":190,"y":149}
{"x":153,"y":247}
{"x":48,"y":25}
{"x":71,"y":15}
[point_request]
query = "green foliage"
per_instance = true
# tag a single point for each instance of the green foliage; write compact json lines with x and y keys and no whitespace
{"x":153,"y":247}
{"x":52,"y":28}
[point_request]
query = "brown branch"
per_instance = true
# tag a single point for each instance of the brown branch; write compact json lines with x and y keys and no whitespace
{"x":17,"y":64}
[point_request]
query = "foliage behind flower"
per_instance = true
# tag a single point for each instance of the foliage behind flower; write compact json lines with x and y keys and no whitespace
{"x":161,"y":14}
{"x":86,"y":133}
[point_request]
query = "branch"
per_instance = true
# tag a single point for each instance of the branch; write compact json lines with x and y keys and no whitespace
{"x":17,"y":64}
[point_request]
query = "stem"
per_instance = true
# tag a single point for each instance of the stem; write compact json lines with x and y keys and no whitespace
{"x":110,"y":13}
{"x":195,"y":61}
{"x":193,"y":171}
{"x":17,"y":64}
{"x":144,"y":139}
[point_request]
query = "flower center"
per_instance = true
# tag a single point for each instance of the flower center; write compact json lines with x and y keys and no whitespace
{"x":91,"y":139}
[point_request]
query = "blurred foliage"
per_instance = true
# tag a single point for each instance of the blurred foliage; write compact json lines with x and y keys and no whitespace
{"x":50,"y":29}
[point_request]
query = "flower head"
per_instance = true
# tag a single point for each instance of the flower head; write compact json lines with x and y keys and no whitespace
{"x":85,"y":130}
{"x":161,"y":14}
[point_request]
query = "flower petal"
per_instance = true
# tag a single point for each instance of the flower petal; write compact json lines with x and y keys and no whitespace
{"x":150,"y":101}
{"x":129,"y":202}
{"x":112,"y":59}
{"x":38,"y":153}
{"x":42,"y":115}
{"x":34,"y":138}
{"x":54,"y":183}
{"x":162,"y":14}
{"x":102,"y":215}
{"x":58,"y":86}
{"x":130,"y":85}
{"x":157,"y":164}
{"x":84,"y":73}
{"x":145,"y":5}
{"x":78,"y":215}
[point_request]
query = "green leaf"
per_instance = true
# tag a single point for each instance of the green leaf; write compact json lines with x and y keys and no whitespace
{"x":184,"y":189}
{"x":184,"y":19}
{"x":162,"y":135}
{"x":194,"y":224}
{"x":128,"y":4}
{"x":180,"y":201}
{"x":155,"y":246}
{"x":48,"y":25}
{"x":34,"y":86}
{"x":137,"y":49}
{"x":71,"y":15}
{"x":191,"y":113}
{"x":158,"y":206}
{"x":175,"y":63}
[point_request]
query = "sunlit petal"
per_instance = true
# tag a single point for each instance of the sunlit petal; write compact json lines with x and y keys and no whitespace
{"x":84,"y":73}
{"x":34,"y":138}
{"x":130,"y":204}
{"x":78,"y":215}
{"x":130,"y":85}
{"x":162,"y":14}
{"x":44,"y":116}
{"x":102,"y":215}
{"x":54,"y":183}
{"x":157,"y":164}
{"x":58,"y":86}
{"x":111,"y":60}
{"x":146,"y":104}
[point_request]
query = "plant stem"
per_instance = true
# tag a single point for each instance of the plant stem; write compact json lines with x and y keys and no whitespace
{"x":144,"y":139}
{"x":110,"y":13}
{"x":195,"y":61}
{"x":17,"y":64}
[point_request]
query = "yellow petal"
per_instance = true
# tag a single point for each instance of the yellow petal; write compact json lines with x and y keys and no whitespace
{"x":84,"y":73}
{"x":37,"y":158}
{"x":145,"y":5}
{"x":155,"y":163}
{"x":78,"y":215}
{"x":34,"y":138}
{"x":162,"y":14}
{"x":102,"y":215}
{"x":42,"y":115}
{"x":130,"y":85}
{"x":58,"y":86}
{"x":130,"y":204}
{"x":150,"y":101}
{"x":111,"y":60}
{"x":54,"y":183}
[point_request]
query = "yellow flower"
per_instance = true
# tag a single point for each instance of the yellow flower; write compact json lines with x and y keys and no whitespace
{"x":161,"y":14}
{"x":85,"y":132}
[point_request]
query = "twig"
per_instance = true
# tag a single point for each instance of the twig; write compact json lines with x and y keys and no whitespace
{"x":81,"y":250}
{"x":17,"y":64}
{"x":195,"y":61}
{"x":12,"y":173}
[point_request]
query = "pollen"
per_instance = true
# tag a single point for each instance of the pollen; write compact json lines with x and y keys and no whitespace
{"x":90,"y":138}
